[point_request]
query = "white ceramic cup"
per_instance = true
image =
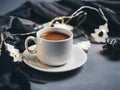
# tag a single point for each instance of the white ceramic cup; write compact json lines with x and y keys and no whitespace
{"x":52,"y":52}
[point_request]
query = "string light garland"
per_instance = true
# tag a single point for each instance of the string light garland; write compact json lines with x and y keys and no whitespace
{"x":99,"y":35}
{"x":64,"y":23}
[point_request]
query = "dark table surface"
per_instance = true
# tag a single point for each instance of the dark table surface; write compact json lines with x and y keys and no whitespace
{"x":98,"y":73}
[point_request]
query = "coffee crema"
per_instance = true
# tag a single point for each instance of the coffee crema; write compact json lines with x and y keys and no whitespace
{"x":54,"y":35}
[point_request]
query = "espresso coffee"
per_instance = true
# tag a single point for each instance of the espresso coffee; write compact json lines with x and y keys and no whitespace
{"x":54,"y":35}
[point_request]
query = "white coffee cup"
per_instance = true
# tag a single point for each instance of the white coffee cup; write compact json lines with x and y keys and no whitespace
{"x":52,"y":52}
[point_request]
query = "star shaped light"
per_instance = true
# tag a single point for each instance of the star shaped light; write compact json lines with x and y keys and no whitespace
{"x":101,"y":33}
{"x":14,"y":53}
{"x":63,"y":25}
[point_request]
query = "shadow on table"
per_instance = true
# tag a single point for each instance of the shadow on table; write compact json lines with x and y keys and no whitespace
{"x":43,"y":77}
{"x":110,"y":56}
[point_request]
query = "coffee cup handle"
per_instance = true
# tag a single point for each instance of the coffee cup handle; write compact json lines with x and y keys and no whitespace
{"x":26,"y":44}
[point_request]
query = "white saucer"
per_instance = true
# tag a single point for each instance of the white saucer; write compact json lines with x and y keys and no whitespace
{"x":78,"y":58}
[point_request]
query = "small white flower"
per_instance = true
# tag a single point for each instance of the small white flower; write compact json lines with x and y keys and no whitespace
{"x":85,"y":45}
{"x":64,"y":26}
{"x":101,"y":33}
{"x":14,"y":53}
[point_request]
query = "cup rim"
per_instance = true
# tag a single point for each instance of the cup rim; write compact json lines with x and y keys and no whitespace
{"x":71,"y":36}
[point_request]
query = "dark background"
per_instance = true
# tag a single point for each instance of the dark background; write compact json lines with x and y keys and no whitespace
{"x":8,"y":5}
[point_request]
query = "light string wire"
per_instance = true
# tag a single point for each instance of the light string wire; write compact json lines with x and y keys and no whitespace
{"x":75,"y":14}
{"x":48,"y":24}
{"x":99,"y":10}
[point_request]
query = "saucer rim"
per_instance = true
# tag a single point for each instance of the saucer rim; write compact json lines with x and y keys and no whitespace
{"x":56,"y":71}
